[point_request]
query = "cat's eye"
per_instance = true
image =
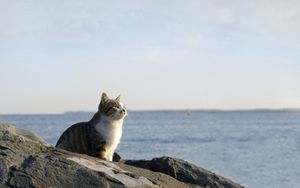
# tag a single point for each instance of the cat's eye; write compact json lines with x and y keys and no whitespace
{"x":115,"y":108}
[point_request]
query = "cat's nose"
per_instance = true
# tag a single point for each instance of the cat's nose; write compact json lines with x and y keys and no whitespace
{"x":123,"y":110}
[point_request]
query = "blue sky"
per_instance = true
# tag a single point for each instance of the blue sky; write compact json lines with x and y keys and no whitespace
{"x":59,"y":55}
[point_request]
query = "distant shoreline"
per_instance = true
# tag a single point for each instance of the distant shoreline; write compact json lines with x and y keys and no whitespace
{"x":173,"y":110}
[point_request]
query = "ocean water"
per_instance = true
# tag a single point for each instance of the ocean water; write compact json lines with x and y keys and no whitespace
{"x":259,"y":149}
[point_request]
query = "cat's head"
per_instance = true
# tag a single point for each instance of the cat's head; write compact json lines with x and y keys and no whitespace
{"x":112,"y":108}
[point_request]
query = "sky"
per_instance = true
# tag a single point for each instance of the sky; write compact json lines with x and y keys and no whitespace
{"x":59,"y":55}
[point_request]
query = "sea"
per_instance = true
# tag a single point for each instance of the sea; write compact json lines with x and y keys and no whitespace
{"x":257,"y":148}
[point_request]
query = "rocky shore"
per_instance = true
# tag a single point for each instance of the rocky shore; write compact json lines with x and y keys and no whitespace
{"x":26,"y":160}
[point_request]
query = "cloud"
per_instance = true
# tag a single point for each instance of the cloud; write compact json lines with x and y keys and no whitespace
{"x":208,"y":48}
{"x":150,"y":21}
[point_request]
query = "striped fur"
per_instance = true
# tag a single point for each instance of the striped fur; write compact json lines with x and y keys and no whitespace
{"x":100,"y":136}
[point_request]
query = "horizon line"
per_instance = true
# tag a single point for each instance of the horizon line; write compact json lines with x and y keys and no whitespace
{"x":168,"y":110}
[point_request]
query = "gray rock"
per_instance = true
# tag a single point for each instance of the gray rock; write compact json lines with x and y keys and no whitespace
{"x":26,"y":160}
{"x":185,"y":172}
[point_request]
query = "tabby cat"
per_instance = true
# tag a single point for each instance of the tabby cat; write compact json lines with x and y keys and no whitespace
{"x":100,"y":136}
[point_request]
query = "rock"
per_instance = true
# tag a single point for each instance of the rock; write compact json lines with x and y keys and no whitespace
{"x":26,"y":160}
{"x":162,"y":179}
{"x":185,"y":172}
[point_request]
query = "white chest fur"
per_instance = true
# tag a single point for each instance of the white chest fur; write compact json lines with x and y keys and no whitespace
{"x":111,"y":131}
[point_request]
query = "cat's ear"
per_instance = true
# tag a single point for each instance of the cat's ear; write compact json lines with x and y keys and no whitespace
{"x":118,"y":98}
{"x":104,"y":97}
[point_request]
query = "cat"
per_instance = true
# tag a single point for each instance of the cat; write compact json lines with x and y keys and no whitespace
{"x":100,"y":136}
